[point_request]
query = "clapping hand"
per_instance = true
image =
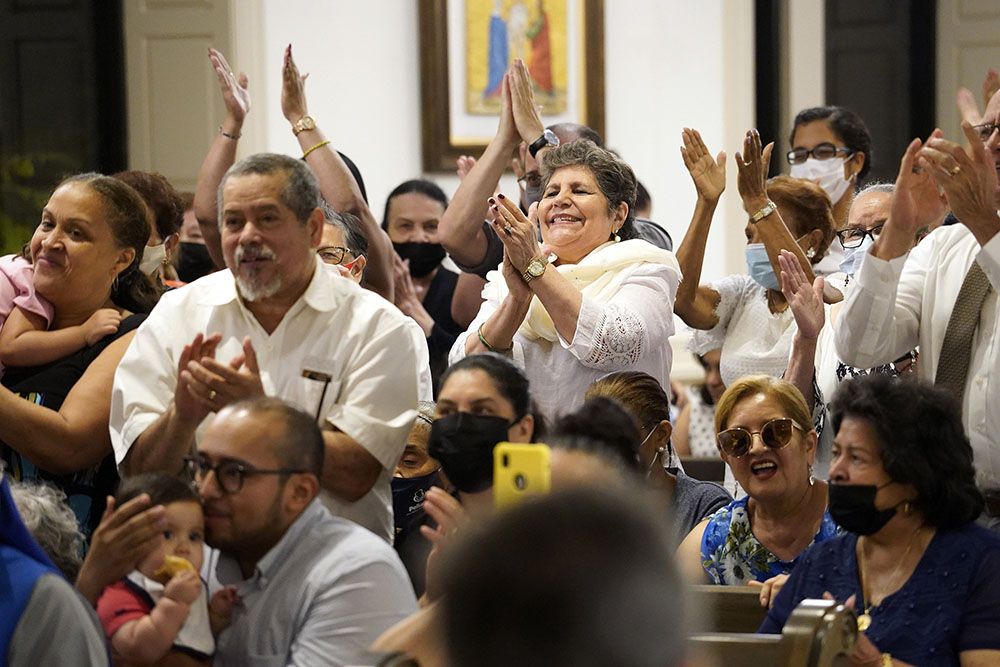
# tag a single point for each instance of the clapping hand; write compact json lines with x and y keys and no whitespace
{"x":515,"y":230}
{"x":753,"y":165}
{"x":526,"y":116}
{"x":709,"y":175}
{"x":805,"y":300}
{"x":235,"y":91}
{"x":293,"y":89}
{"x":968,"y":177}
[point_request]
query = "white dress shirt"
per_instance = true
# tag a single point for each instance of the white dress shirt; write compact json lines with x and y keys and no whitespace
{"x":371,"y":352}
{"x":896,"y":305}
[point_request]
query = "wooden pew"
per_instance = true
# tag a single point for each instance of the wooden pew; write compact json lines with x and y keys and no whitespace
{"x":818,"y":634}
{"x":706,"y":468}
{"x":726,"y":608}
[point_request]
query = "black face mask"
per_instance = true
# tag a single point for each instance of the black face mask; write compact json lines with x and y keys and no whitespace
{"x":193,"y":261}
{"x":424,"y":257}
{"x":464,"y":443}
{"x":408,"y":498}
{"x":852,"y":506}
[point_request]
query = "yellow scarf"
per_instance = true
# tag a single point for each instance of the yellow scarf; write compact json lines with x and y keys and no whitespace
{"x":598,"y":276}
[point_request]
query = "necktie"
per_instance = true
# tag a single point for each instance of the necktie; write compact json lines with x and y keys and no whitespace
{"x":956,"y":351}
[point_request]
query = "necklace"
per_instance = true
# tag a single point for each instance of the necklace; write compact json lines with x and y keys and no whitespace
{"x":865,"y":619}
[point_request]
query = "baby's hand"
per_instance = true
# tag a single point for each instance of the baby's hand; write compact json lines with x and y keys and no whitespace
{"x":183,"y":587}
{"x":102,"y":323}
{"x":223,"y":601}
{"x":220,"y":608}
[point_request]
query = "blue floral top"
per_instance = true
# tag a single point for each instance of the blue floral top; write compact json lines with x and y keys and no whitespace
{"x":731,"y":554}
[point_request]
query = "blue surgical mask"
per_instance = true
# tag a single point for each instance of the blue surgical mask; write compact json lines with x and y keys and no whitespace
{"x":854,"y":256}
{"x":759,"y":266}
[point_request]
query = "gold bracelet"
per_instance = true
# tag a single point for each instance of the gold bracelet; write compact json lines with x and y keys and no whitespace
{"x":234,"y":137}
{"x":768,"y":209}
{"x":482,"y":339}
{"x":319,"y":145}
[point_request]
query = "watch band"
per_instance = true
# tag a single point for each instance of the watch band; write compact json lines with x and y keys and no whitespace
{"x":768,"y":209}
{"x":307,"y":122}
{"x":528,"y":276}
{"x":548,"y":138}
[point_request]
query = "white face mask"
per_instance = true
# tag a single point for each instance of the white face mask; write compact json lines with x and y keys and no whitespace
{"x":829,"y":172}
{"x":152,"y":257}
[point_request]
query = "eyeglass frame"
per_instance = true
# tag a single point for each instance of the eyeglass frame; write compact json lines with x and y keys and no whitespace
{"x":981,"y":129}
{"x":763,"y":426}
{"x":531,"y":175}
{"x":873,"y":233}
{"x":343,"y":252}
{"x":810,"y":152}
{"x":193,"y":465}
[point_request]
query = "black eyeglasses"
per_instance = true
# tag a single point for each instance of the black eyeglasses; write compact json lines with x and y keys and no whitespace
{"x":775,"y":434}
{"x":532,"y":179}
{"x":823,"y":151}
{"x":985,"y":130}
{"x":333,"y":254}
{"x":229,"y":474}
{"x":852,"y":237}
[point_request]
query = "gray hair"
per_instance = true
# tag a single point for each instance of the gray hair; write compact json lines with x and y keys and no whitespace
{"x":613,"y":175}
{"x":51,"y":522}
{"x":425,"y":413}
{"x":877,"y":186}
{"x":355,"y":239}
{"x":300,"y":192}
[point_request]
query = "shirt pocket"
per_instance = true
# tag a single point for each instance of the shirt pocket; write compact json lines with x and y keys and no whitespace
{"x":318,"y":385}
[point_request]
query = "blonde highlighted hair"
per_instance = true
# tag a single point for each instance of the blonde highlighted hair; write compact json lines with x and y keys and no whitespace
{"x":747,"y":386}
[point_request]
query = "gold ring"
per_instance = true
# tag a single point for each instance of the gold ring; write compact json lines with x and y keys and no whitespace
{"x":211,"y":395}
{"x":955,"y":170}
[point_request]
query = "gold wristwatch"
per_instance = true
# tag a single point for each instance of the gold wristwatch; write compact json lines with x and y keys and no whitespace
{"x":303,"y":124}
{"x":768,"y":209}
{"x":535,"y":268}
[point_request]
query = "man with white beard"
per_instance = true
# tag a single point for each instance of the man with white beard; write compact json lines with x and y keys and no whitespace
{"x":279,"y":323}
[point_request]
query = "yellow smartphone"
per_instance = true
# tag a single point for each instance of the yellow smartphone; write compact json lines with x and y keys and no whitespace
{"x":519,"y":469}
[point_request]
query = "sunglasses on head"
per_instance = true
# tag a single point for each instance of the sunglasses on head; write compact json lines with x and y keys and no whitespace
{"x":775,"y":434}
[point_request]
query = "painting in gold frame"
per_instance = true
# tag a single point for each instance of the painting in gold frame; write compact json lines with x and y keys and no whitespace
{"x":458,"y":62}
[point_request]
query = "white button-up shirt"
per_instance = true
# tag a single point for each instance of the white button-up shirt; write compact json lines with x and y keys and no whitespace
{"x":321,"y":596}
{"x":375,"y":359}
{"x":896,"y":305}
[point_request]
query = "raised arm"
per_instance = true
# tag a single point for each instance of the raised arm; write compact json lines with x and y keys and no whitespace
{"x":74,"y":437}
{"x":695,"y":304}
{"x":752,"y":183}
{"x":221,"y":154}
{"x":461,"y":228}
{"x":336,"y":182}
{"x":806,"y":302}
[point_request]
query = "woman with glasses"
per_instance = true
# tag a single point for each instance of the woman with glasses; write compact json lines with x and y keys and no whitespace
{"x":765,"y":436}
{"x":923,"y":578}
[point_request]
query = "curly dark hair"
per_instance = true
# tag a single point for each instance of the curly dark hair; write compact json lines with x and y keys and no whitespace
{"x":614,"y":176}
{"x":166,"y":203}
{"x":129,"y":219}
{"x":921,"y":441}
{"x":846,"y":124}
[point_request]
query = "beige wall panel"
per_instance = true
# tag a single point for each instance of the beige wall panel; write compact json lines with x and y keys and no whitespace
{"x":968,"y":46}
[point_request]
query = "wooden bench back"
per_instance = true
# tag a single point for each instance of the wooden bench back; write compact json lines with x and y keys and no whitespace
{"x":818,"y":634}
{"x":727,"y":608}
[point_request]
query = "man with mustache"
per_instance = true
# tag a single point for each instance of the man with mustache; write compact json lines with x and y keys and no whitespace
{"x":278,"y":323}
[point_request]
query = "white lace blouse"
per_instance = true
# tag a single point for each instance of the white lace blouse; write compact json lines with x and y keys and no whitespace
{"x":631,"y":331}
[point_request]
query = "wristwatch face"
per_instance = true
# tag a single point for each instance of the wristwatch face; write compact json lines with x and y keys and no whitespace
{"x":550,"y":137}
{"x":536,"y":267}
{"x":305,"y":123}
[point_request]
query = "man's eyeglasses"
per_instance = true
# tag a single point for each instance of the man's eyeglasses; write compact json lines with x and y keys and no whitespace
{"x":985,"y":130}
{"x":333,"y":254}
{"x":532,"y":179}
{"x":775,"y":434}
{"x":823,"y":151}
{"x":229,"y":474}
{"x":852,"y":237}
